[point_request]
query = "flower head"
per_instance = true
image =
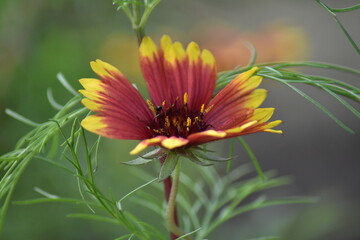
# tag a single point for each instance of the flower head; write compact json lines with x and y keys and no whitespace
{"x":182,"y":111}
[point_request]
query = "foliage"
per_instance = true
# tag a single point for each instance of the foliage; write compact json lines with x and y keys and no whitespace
{"x":280,"y":72}
{"x":207,"y":200}
{"x":210,"y":200}
{"x":333,"y":12}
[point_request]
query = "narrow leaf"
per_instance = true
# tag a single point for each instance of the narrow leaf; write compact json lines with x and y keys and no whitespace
{"x":93,"y":217}
{"x":254,"y":160}
{"x":137,"y":189}
{"x":52,"y":101}
{"x":66,"y":84}
{"x":190,"y":156}
{"x":205,"y":156}
{"x":21,"y":118}
{"x":138,"y":161}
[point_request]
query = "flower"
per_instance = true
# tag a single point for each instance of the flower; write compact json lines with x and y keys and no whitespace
{"x":182,"y":112}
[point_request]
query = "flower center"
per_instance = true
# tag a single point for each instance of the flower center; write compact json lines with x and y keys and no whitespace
{"x":176,"y":120}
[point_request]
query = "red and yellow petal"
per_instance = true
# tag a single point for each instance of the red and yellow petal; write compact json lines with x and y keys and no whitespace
{"x":105,"y":70}
{"x":262,"y":114}
{"x":151,"y":62}
{"x":267,"y":127}
{"x":238,"y":94}
{"x":147,"y":143}
{"x":165,"y":142}
{"x":95,"y":124}
{"x":171,"y":71}
{"x":174,"y":142}
{"x":205,"y":136}
{"x":121,"y":110}
{"x":241,"y":128}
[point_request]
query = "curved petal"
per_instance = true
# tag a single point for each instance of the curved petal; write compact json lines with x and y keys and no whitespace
{"x":201,"y":75}
{"x":256,"y":123}
{"x":151,"y":61}
{"x":166,"y":142}
{"x":170,"y":72}
{"x":147,"y":143}
{"x":174,"y":142}
{"x":238,"y":94}
{"x":112,"y":127}
{"x":205,"y":136}
{"x":122,"y":111}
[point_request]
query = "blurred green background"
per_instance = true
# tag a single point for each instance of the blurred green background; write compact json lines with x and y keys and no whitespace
{"x":40,"y":38}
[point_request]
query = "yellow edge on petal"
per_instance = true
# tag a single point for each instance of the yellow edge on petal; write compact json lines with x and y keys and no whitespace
{"x":93,"y":123}
{"x":263,"y":114}
{"x":213,"y":133}
{"x":165,"y":42}
{"x":274,"y":131}
{"x":173,"y":142}
{"x":144,"y":144}
{"x":104,"y":69}
{"x":147,"y":48}
{"x":91,"y":105}
{"x":271,"y":124}
{"x":174,"y":53}
{"x":90,"y":94}
{"x":207,"y":58}
{"x":256,"y":98}
{"x":246,"y":75}
{"x":251,"y":83}
{"x":91,"y":84}
{"x":241,"y":128}
{"x":193,"y":52}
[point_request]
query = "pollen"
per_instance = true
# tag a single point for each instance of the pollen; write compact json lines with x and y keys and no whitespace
{"x":151,"y":106}
{"x":186,"y":98}
{"x":176,"y":119}
{"x":188,"y":122}
{"x":202,"y":110}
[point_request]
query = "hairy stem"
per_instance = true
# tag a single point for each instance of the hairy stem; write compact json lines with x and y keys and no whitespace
{"x":167,"y":190}
{"x":171,"y":207}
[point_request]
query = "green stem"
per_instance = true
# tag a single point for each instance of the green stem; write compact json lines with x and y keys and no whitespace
{"x":138,"y":28}
{"x":172,"y":203}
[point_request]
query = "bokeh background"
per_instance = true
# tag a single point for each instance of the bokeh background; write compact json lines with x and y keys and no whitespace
{"x":40,"y":38}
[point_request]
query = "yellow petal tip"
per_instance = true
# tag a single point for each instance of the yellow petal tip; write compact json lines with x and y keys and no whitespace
{"x":147,"y":47}
{"x":173,"y":142}
{"x":207,"y":58}
{"x":93,"y":123}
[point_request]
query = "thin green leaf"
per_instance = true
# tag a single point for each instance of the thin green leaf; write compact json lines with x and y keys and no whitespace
{"x":138,"y":161}
{"x":66,"y":84}
{"x":21,"y":118}
{"x":156,"y":153}
{"x":321,"y":107}
{"x":347,"y":9}
{"x":137,"y":189}
{"x":93,"y":217}
{"x":253,"y":54}
{"x":342,"y":101}
{"x":231,"y":156}
{"x":188,"y":234}
{"x":52,"y":101}
{"x":253,"y":158}
{"x":45,"y":194}
{"x":330,"y":10}
{"x":50,"y":200}
{"x":54,"y":163}
{"x":205,"y":156}
{"x":193,"y":158}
